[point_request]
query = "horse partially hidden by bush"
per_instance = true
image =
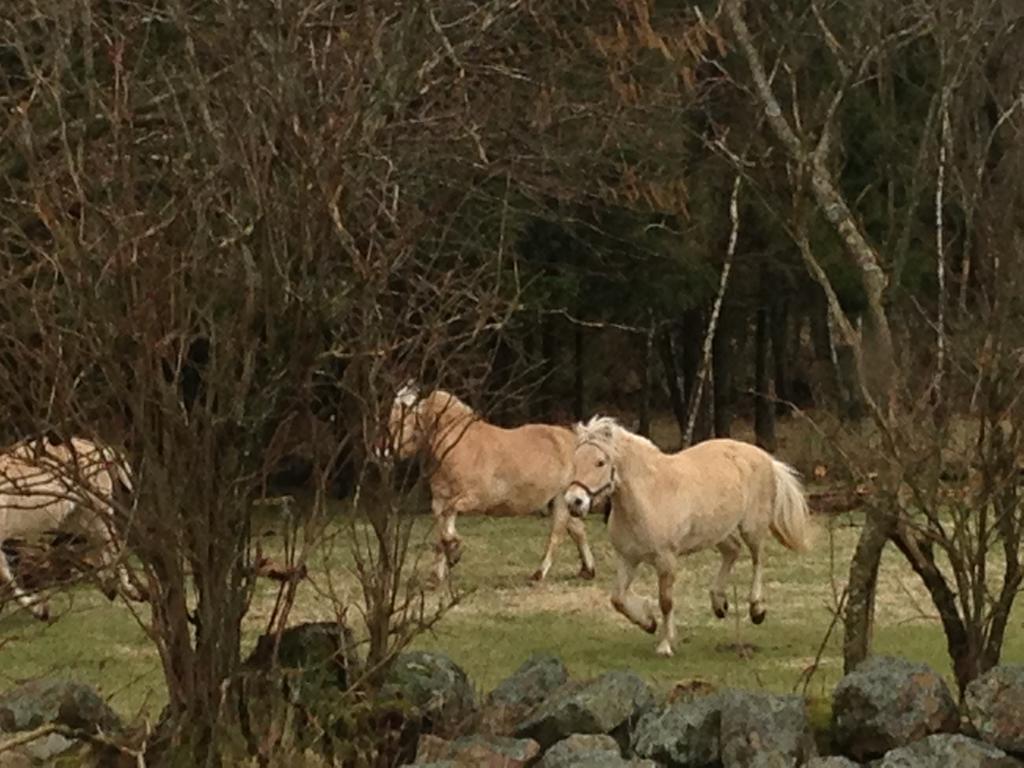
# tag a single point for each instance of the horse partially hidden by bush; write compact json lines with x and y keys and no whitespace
{"x":474,"y":466}
{"x":64,"y":487}
{"x":718,"y":493}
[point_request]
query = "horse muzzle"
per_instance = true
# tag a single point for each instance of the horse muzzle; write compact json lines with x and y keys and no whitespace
{"x":578,"y":500}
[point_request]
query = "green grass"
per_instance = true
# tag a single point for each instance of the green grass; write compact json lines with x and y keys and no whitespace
{"x":505,"y":618}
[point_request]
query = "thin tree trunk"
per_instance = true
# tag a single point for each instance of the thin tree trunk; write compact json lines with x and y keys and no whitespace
{"x":579,"y":384}
{"x":764,"y":402}
{"x":722,"y":361}
{"x":964,"y":650}
{"x":824,"y":380}
{"x":863,"y":581}
{"x":676,"y":397}
{"x":780,"y":353}
{"x":647,"y":391}
{"x":692,"y":335}
{"x":853,"y":404}
{"x":716,"y":309}
{"x":873,"y":350}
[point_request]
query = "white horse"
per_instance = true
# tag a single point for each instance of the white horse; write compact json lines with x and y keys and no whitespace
{"x":46,"y":488}
{"x":480,"y":467}
{"x":719,"y":493}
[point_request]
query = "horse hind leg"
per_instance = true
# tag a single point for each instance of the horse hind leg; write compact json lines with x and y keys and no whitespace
{"x":448,"y":549}
{"x":666,"y":582}
{"x":578,"y":532}
{"x":730,"y":552}
{"x":114,"y":573}
{"x":758,"y":611}
{"x":559,"y":523}
{"x":38,"y":607}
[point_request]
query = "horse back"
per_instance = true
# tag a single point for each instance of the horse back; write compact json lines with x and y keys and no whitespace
{"x":517,"y":469}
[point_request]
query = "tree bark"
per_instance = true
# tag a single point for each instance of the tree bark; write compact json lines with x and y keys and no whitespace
{"x":860,"y":600}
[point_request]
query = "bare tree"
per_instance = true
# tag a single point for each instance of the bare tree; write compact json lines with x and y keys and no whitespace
{"x":207,"y":208}
{"x":923,"y":406}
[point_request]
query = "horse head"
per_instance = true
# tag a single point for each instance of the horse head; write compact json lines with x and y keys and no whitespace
{"x":402,"y":434}
{"x":593,"y":465}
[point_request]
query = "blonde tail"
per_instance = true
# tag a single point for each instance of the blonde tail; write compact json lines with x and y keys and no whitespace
{"x":791,"y":522}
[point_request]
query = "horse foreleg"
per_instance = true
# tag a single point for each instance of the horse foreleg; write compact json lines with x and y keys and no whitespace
{"x":637,"y":609}
{"x":757,"y":607}
{"x":38,"y":607}
{"x":113,"y":564}
{"x":578,"y":532}
{"x":448,"y":549}
{"x":440,"y":568}
{"x":666,"y":568}
{"x":730,"y":551}
{"x":559,"y":523}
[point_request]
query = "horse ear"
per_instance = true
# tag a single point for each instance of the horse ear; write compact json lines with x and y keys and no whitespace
{"x":408,"y":394}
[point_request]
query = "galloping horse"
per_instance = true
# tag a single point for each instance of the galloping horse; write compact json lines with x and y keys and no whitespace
{"x":719,"y":493}
{"x":480,"y":467}
{"x":46,"y":488}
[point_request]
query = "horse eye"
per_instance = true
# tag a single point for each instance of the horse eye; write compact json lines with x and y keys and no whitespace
{"x":600,"y":462}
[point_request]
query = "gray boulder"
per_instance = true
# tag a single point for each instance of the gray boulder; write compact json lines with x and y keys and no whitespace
{"x":887,"y":703}
{"x":681,"y":734}
{"x":947,"y":751}
{"x":64,"y":702}
{"x":762,"y":730}
{"x":478,"y":751}
{"x":54,"y":701}
{"x":536,"y":679}
{"x":589,"y":751}
{"x":436,"y":687}
{"x":313,"y":658}
{"x":607,"y":704}
{"x":995,"y":704}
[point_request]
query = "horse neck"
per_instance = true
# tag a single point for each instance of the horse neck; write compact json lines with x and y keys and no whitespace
{"x":636,"y":460}
{"x":445,"y":419}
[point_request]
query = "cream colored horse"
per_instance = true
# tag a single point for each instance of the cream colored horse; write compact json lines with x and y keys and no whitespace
{"x":70,"y":486}
{"x":480,"y":467}
{"x":719,"y":493}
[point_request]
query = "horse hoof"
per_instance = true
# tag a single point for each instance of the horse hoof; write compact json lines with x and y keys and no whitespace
{"x":587,"y":574}
{"x":537,"y":575}
{"x":757,"y":615}
{"x":721,"y":613}
{"x":43,"y":614}
{"x":664,"y":650}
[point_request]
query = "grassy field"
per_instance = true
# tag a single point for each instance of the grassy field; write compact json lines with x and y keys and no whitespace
{"x":505,"y":618}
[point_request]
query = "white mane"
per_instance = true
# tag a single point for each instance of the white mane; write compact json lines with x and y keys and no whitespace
{"x":408,"y":395}
{"x":608,"y":434}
